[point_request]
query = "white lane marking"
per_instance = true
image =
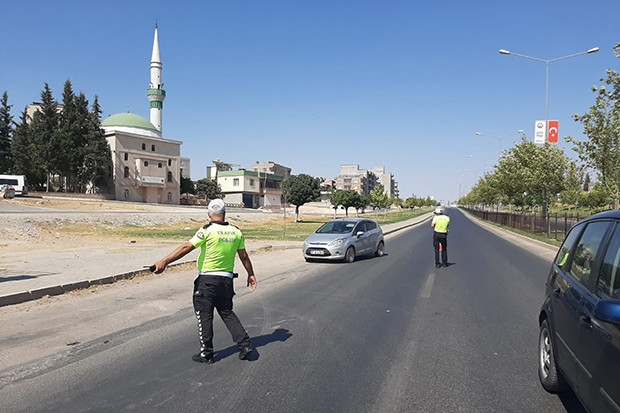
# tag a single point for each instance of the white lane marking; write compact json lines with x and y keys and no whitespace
{"x":428,"y":286}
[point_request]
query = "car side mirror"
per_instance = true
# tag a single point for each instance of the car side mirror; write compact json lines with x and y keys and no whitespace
{"x":359,"y":233}
{"x":608,"y":311}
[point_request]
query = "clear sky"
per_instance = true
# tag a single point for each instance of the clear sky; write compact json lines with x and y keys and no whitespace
{"x":313,"y":84}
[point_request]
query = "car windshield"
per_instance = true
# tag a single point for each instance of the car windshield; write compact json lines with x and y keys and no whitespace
{"x":336,"y":227}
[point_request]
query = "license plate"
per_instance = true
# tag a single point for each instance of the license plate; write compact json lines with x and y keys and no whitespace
{"x":317,"y":252}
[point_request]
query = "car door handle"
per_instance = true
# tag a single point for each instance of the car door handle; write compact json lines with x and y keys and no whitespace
{"x":557,"y":292}
{"x":585,"y":321}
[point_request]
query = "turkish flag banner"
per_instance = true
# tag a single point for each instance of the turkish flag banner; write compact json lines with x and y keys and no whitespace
{"x":553,"y":130}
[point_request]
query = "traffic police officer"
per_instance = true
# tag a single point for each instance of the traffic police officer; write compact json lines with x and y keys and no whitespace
{"x":440,"y":224}
{"x":219,"y":242}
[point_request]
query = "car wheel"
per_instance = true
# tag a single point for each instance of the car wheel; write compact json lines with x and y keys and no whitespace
{"x":380,"y":250}
{"x":349,"y":256}
{"x":550,"y":377}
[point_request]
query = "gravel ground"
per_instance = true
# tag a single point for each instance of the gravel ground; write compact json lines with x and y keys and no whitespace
{"x":40,"y":219}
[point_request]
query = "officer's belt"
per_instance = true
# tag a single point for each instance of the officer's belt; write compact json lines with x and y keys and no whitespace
{"x":218,"y":273}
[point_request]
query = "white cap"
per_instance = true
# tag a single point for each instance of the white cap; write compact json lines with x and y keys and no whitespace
{"x":439,"y":210}
{"x":216,"y":205}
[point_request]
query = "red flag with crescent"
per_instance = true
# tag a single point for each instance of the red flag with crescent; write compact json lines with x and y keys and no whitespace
{"x":553,"y":131}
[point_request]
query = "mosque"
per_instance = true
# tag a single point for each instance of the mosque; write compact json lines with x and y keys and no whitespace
{"x":146,"y":167}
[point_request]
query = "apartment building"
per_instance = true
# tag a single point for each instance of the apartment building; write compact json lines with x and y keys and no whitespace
{"x":251,"y":189}
{"x":363,"y":180}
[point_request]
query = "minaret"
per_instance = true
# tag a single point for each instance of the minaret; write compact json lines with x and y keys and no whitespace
{"x":156,"y":92}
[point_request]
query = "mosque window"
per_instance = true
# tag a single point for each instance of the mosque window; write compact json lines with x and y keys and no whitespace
{"x":153,"y":148}
{"x":126,"y":193}
{"x":169,"y":176}
{"x":126,"y":172}
{"x":126,"y":156}
{"x":169,"y":196}
{"x":144,"y":146}
{"x":169,"y":162}
{"x":146,"y":163}
{"x":160,"y":165}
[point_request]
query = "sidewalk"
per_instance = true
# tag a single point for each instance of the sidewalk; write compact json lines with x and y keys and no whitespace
{"x":71,"y":270}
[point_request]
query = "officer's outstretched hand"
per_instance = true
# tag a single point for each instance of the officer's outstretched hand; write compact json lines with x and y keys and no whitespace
{"x":158,"y":267}
{"x":252,"y":282}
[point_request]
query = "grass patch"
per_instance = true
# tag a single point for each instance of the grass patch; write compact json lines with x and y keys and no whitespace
{"x":272,"y":229}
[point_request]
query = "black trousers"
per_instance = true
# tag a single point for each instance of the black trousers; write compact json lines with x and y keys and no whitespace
{"x":216,"y":292}
{"x":440,"y":238}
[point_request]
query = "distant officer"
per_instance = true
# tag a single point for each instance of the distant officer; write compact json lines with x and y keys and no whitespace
{"x":219,"y":243}
{"x":440,"y":224}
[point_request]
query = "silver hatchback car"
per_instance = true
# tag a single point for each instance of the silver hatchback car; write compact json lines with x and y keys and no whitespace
{"x":344,"y":239}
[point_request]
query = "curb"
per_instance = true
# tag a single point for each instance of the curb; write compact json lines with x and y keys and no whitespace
{"x":31,"y":295}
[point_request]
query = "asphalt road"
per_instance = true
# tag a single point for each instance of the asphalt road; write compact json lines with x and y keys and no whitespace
{"x":389,"y":334}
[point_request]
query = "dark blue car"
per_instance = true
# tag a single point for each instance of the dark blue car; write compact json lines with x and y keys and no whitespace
{"x":579,"y":342}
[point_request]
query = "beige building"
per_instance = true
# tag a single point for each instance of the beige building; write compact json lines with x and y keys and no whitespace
{"x":185,"y":168}
{"x":363,"y":180}
{"x":146,"y":166}
{"x":270,"y":167}
{"x":251,"y":189}
{"x":390,"y":186}
{"x":356,"y":179}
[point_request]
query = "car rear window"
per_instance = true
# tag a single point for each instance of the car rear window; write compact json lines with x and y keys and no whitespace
{"x":561,"y":260}
{"x":586,"y":250}
{"x":608,"y":285}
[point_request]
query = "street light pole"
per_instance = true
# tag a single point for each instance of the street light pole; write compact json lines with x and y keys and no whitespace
{"x":546,"y":62}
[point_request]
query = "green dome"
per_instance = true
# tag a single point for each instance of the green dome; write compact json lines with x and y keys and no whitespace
{"x":129,"y":120}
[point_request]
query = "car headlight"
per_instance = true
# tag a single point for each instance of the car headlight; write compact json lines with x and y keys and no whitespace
{"x":336,"y":242}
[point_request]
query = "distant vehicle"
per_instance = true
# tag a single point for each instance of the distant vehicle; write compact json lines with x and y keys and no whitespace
{"x":344,"y":239}
{"x":579,"y":340}
{"x":18,"y":182}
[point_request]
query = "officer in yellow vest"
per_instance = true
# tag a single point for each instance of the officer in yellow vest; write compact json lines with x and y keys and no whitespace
{"x":440,"y":224}
{"x":219,"y":243}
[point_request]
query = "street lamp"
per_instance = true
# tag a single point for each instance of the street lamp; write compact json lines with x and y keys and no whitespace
{"x":499,"y":138}
{"x":546,"y":62}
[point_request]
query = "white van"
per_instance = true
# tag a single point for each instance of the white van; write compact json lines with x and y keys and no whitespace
{"x":18,"y":182}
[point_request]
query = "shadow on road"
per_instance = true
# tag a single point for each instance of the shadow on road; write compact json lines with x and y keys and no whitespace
{"x":279,"y":334}
{"x":571,"y":402}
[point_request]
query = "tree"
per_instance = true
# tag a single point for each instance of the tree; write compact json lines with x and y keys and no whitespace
{"x":70,"y":137}
{"x":586,"y":183}
{"x":349,"y":198}
{"x":187,"y":186}
{"x":410,"y":202}
{"x":6,"y":134}
{"x":209,"y":189}
{"x":94,"y":159}
{"x":378,"y":198}
{"x":398,"y":202}
{"x":334,"y":199}
{"x":528,"y":167}
{"x":44,"y":133}
{"x":362,"y":203}
{"x":299,"y":189}
{"x":23,"y":151}
{"x":601,"y":151}
{"x":598,"y":197}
